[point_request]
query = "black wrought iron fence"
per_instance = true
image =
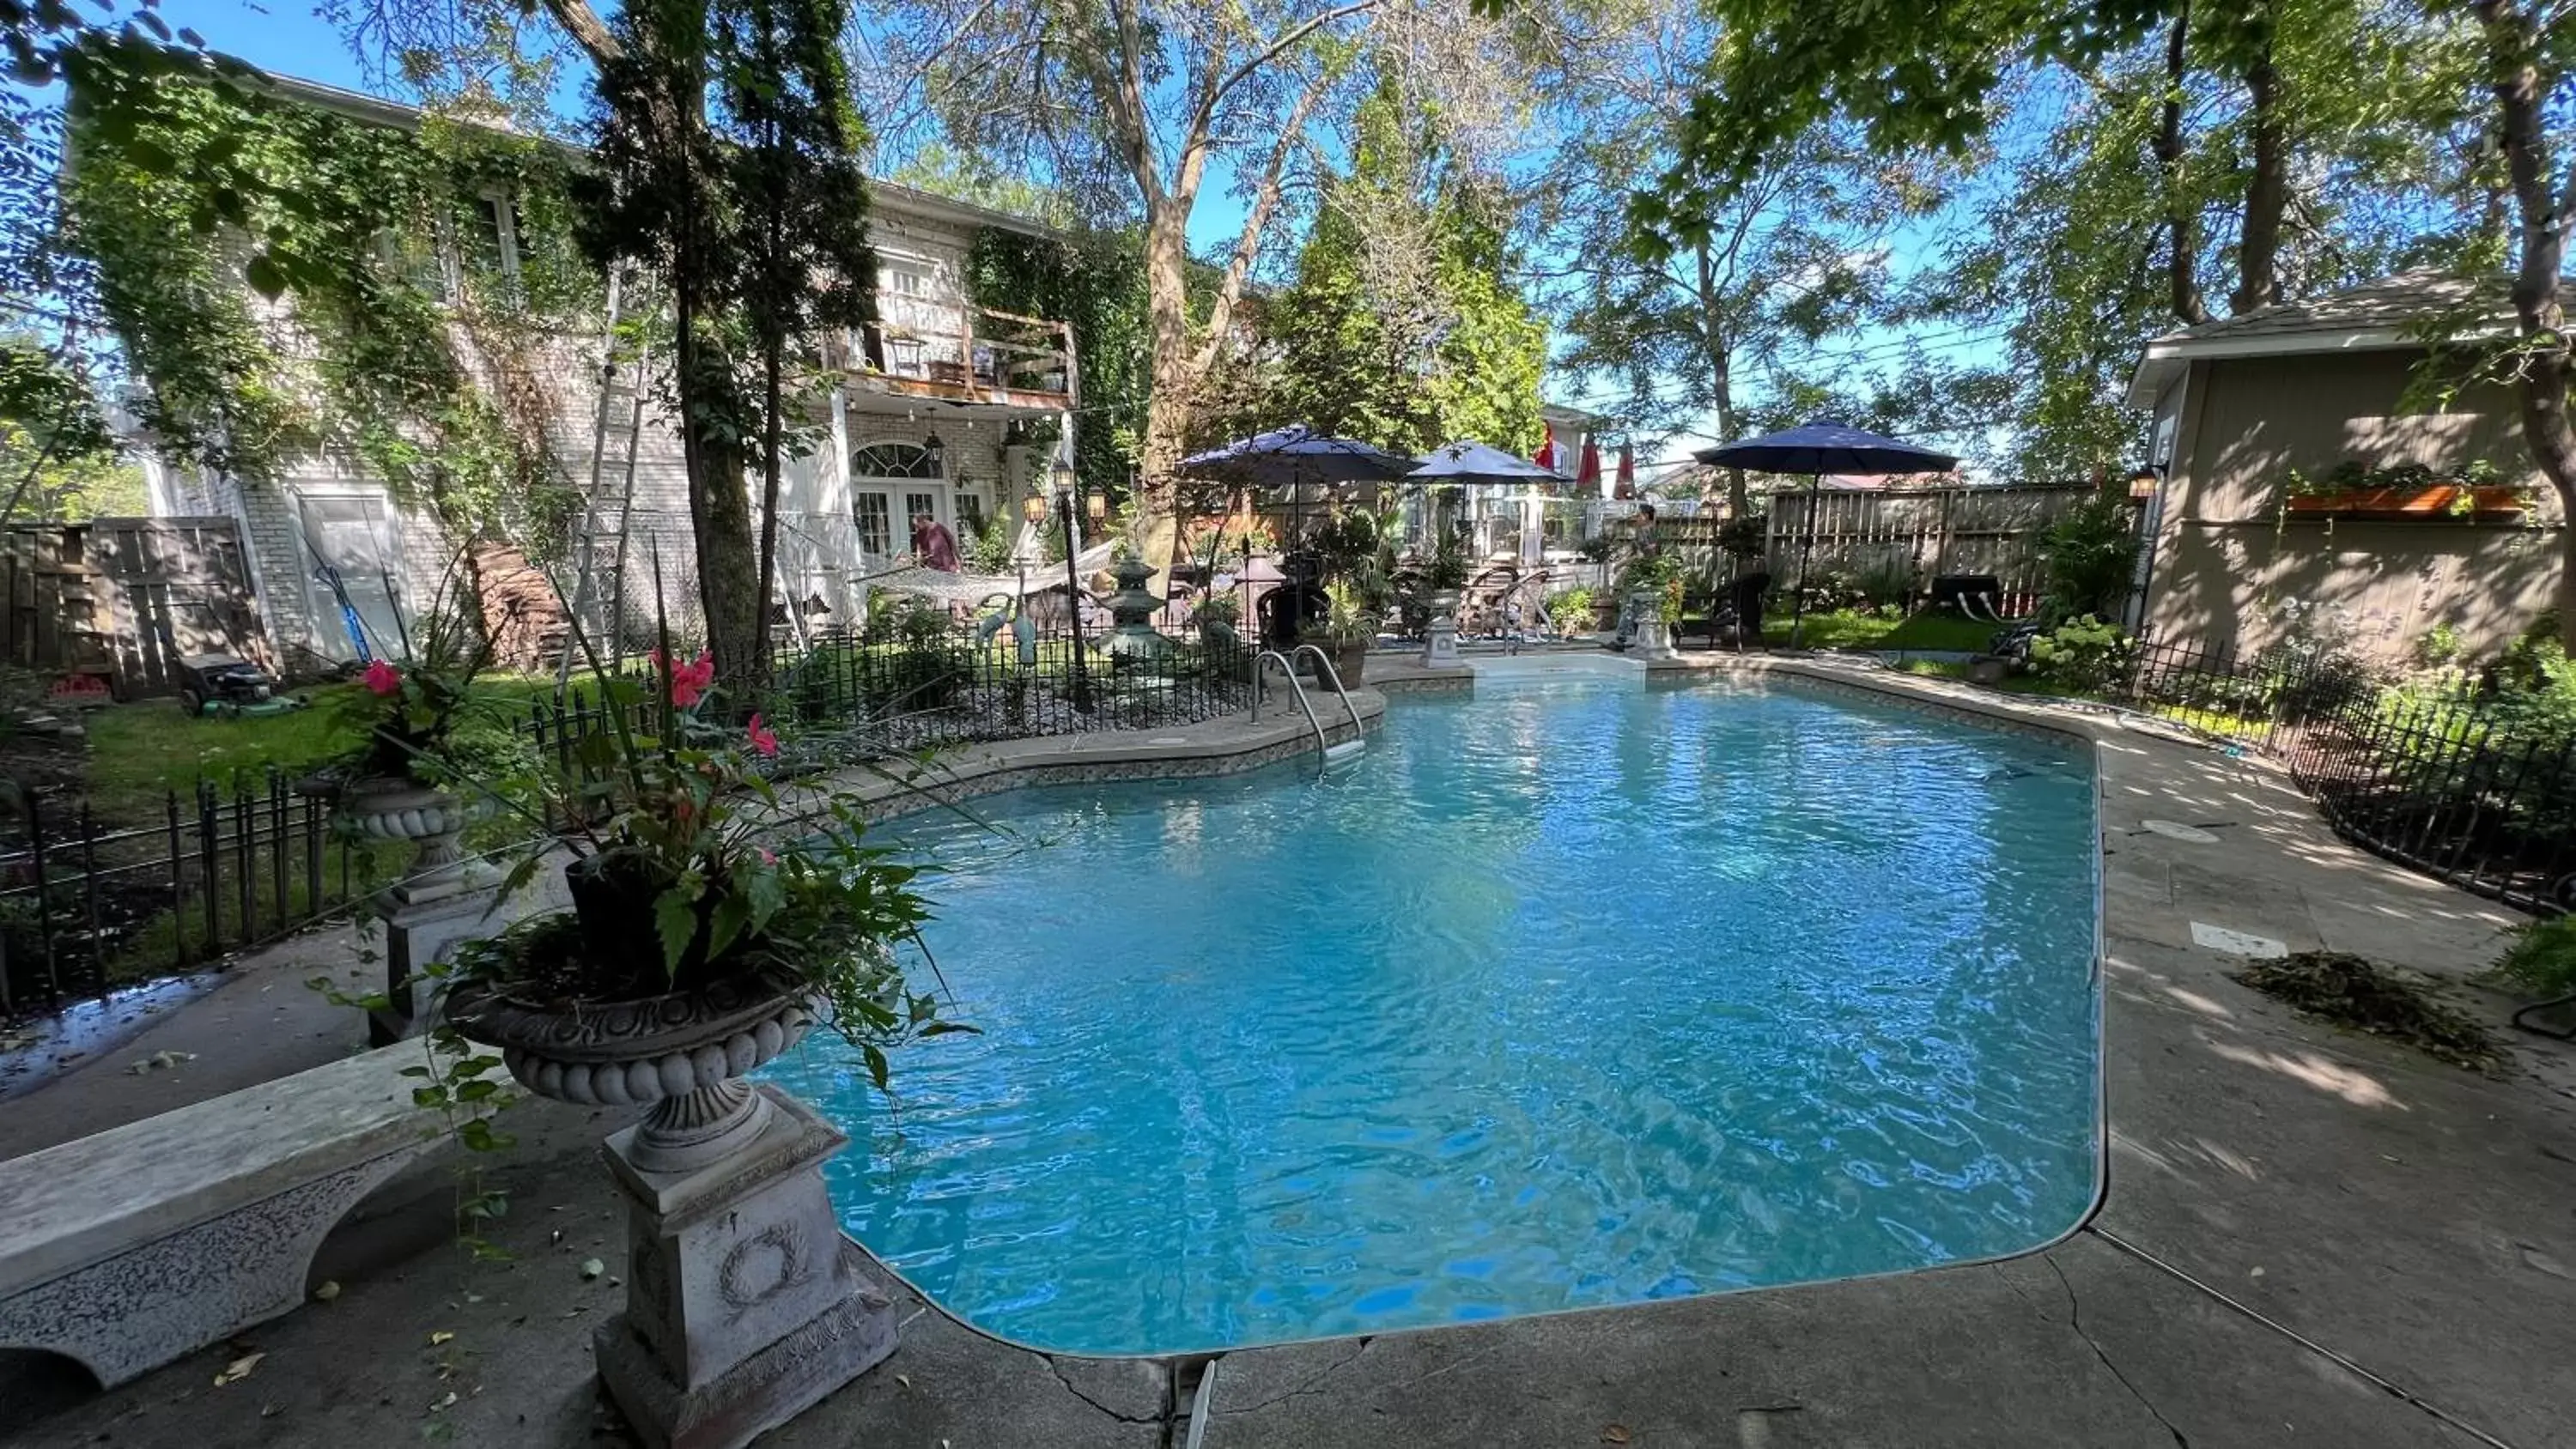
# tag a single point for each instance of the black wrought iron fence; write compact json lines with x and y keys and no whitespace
{"x":904,"y":690}
{"x":85,"y":906}
{"x":2442,"y":780}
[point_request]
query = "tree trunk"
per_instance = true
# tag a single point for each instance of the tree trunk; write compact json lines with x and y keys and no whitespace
{"x":2181,"y":222}
{"x":773,"y":361}
{"x":2539,"y":310}
{"x":1167,"y":312}
{"x":1721,"y":374}
{"x":2267,"y":192}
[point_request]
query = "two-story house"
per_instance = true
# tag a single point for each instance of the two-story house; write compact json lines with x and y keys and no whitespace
{"x":930,"y":413}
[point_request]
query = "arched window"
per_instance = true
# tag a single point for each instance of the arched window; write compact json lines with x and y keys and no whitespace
{"x":893,"y":460}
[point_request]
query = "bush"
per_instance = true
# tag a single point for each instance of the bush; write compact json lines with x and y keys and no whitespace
{"x":1744,"y":538}
{"x":2533,"y":702}
{"x":988,"y":549}
{"x":2091,"y":552}
{"x":2542,"y":958}
{"x":1569,"y":611}
{"x":1885,"y":583}
{"x":2438,"y":647}
{"x":2086,"y":655}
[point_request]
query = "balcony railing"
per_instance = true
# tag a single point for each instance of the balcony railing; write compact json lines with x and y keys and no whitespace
{"x":965,"y":353}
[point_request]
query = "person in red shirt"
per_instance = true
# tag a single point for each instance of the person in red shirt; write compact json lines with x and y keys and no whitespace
{"x":933,"y":544}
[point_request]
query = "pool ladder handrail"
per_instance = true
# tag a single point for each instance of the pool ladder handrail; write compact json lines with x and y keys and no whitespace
{"x":1330,"y":675}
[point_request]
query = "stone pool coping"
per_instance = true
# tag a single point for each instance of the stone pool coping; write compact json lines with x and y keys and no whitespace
{"x":2310,"y":1237}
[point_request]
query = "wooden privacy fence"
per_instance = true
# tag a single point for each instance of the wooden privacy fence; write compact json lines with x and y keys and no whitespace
{"x":126,"y":598}
{"x":1925,"y":532}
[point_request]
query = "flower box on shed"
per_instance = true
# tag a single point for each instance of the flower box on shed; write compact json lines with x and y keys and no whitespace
{"x":2437,"y":500}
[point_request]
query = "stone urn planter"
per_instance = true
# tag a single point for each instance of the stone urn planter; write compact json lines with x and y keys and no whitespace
{"x":434,"y":821}
{"x":1654,"y":638}
{"x":1440,"y":636}
{"x":744,"y":1304}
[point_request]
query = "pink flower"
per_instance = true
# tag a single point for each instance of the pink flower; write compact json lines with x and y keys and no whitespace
{"x":768,"y":856}
{"x":382,"y":678}
{"x":765,"y":741}
{"x":688,"y":681}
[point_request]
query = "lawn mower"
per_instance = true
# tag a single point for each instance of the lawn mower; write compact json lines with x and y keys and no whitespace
{"x":225,"y":686}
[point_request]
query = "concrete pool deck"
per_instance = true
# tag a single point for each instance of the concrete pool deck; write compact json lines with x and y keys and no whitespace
{"x":2309,"y":1237}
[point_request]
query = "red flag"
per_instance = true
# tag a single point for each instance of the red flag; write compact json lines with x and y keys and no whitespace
{"x":1588,"y":476}
{"x":1545,"y":457}
{"x":1627,"y":472}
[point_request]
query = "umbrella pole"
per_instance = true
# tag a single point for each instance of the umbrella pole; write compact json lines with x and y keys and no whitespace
{"x":1806,"y":547}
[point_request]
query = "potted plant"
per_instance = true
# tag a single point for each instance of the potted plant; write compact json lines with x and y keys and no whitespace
{"x":684,"y":890}
{"x":1446,"y":574}
{"x":422,"y":727}
{"x":1345,"y":631}
{"x":711,"y":929}
{"x":1650,"y":585}
{"x":2477,"y":489}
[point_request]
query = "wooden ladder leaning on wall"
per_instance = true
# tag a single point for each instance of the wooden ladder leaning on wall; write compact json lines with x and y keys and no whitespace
{"x":599,"y":546}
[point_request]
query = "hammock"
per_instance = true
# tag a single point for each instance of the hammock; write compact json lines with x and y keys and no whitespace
{"x":966,"y":588}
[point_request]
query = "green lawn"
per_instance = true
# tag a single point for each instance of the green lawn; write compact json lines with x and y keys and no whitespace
{"x":2214,"y":721}
{"x":139,"y":751}
{"x":1855,"y":629}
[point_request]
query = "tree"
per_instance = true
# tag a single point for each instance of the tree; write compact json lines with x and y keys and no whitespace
{"x":57,"y":458}
{"x":1402,"y":327}
{"x":1732,"y":314}
{"x":725,"y":151}
{"x":806,"y":268}
{"x":2529,"y":61}
{"x":1131,"y":107}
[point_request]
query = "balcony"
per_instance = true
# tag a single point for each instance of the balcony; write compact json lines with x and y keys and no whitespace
{"x":964,"y":355}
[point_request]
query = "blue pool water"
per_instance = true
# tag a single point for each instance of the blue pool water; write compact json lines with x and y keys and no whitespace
{"x":1565,"y":996}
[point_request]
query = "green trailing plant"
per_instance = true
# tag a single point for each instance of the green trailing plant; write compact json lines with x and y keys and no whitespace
{"x":1348,"y":622}
{"x":198,"y":206}
{"x":407,"y":714}
{"x":1744,"y":539}
{"x":2354,"y":476}
{"x":1224,"y":609}
{"x":988,"y":549}
{"x":1650,"y":573}
{"x":2438,"y":647}
{"x":1095,"y":283}
{"x":2083,"y":655}
{"x":1570,"y":610}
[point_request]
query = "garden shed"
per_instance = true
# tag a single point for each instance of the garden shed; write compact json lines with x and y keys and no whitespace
{"x":2292,"y":464}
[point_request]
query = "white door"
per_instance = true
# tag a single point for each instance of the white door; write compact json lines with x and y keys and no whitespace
{"x":352,"y":539}
{"x":890,"y":483}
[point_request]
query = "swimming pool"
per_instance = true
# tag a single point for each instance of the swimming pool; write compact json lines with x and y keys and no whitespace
{"x":1577,"y":993}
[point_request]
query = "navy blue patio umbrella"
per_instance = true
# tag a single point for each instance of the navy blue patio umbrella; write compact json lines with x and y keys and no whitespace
{"x":1291,"y":457}
{"x":1815,"y":449}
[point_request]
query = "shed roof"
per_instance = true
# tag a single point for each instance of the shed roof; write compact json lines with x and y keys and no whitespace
{"x":2374,"y":316}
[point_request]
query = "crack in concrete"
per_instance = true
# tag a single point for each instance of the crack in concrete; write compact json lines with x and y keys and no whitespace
{"x":1312,"y":1384}
{"x":2075,"y":1320}
{"x":1163,"y":1419}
